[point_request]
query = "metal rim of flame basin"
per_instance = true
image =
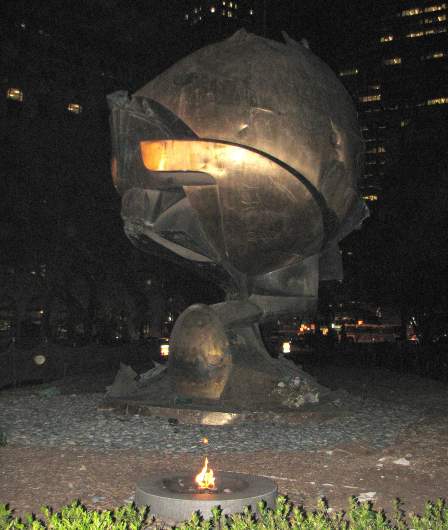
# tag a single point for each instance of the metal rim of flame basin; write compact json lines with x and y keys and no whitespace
{"x":173,"y":497}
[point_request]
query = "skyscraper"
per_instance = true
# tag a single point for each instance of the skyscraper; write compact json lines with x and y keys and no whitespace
{"x":397,"y":74}
{"x":203,"y":11}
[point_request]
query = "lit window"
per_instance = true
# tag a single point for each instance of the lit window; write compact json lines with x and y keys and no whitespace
{"x":223,"y":3}
{"x":231,"y":4}
{"x":15,"y":94}
{"x":374,"y":150}
{"x":387,"y":38}
{"x":440,"y":30}
{"x":438,"y":18}
{"x":434,"y":55}
{"x":229,"y":14}
{"x":404,"y":123}
{"x":352,"y":71}
{"x":371,"y":198}
{"x":437,"y":101}
{"x":74,"y":108}
{"x":431,"y":9}
{"x":411,"y":12}
{"x":186,"y":16}
{"x":374,"y":87}
{"x":373,"y":97}
{"x":415,"y":34}
{"x":212,"y":9}
{"x":251,"y":11}
{"x":195,"y":9}
{"x":392,"y":60}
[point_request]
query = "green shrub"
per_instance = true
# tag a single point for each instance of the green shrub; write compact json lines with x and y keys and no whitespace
{"x":285,"y":516}
{"x":3,"y":439}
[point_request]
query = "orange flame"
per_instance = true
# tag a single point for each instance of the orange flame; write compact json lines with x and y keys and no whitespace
{"x":205,"y":479}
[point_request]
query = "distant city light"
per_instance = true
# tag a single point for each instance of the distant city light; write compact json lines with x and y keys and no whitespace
{"x":367,"y":99}
{"x":437,"y":101}
{"x":74,"y":108}
{"x":39,"y":360}
{"x":392,"y":61}
{"x":433,"y":55}
{"x":14,"y":94}
{"x":352,"y":71}
{"x":411,"y":12}
{"x":431,"y":9}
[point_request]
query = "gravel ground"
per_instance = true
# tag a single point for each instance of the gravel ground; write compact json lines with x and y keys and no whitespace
{"x":32,"y":420}
{"x":382,"y":436}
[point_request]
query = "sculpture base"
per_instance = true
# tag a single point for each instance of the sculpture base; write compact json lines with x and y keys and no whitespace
{"x":217,"y":354}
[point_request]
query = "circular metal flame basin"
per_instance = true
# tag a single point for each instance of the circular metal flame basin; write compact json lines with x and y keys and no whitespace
{"x":175,"y":497}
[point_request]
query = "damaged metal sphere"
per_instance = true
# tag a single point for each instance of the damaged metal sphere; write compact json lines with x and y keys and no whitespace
{"x":241,"y":159}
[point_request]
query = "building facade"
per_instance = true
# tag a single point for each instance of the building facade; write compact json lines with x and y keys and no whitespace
{"x":223,"y":11}
{"x":397,"y":75}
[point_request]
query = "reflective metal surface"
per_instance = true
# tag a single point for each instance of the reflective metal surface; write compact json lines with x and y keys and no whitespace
{"x":244,"y":154}
{"x":243,"y":159}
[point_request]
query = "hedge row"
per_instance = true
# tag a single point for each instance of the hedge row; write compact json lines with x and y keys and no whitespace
{"x":285,"y":516}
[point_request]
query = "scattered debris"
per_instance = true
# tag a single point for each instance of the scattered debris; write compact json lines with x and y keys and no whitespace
{"x":98,"y":498}
{"x":124,"y":383}
{"x":367,"y":496}
{"x":296,"y":382}
{"x":402,"y":462}
{"x":311,"y":397}
{"x":296,"y":391}
{"x":154,"y":372}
